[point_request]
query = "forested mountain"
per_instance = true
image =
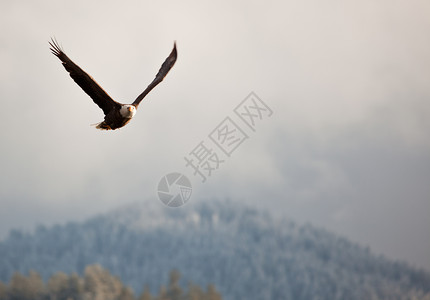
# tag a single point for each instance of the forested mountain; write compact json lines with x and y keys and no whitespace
{"x":243,"y":252}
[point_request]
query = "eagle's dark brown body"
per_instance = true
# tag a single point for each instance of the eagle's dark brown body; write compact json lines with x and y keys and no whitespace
{"x":113,"y":120}
{"x":117,"y":115}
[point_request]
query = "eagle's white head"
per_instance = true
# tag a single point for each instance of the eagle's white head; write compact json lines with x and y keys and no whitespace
{"x":127,"y":111}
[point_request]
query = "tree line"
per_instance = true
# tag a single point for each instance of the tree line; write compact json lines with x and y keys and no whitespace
{"x":96,"y":284}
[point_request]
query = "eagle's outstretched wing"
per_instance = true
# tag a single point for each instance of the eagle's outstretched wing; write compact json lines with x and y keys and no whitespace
{"x":165,"y":68}
{"x":85,"y":81}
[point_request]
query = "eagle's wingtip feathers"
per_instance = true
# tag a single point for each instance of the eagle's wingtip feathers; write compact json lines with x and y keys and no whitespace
{"x":55,"y":47}
{"x":174,"y":51}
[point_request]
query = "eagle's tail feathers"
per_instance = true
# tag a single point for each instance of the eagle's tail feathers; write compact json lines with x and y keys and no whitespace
{"x":102,"y":126}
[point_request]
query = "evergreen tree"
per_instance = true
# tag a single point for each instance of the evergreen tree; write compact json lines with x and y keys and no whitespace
{"x":174,"y":291}
{"x":162,"y":295}
{"x":20,"y":288}
{"x":36,"y":285}
{"x":212,"y":293}
{"x":75,"y":287}
{"x":194,"y":292}
{"x":146,"y":294}
{"x":126,"y":294}
{"x":3,"y":291}
{"x":58,"y":286}
{"x":100,"y":284}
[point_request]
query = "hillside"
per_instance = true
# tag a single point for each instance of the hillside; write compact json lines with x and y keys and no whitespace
{"x":245,"y":253}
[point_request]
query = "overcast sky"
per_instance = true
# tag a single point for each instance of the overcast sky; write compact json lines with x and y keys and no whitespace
{"x":346,"y":148}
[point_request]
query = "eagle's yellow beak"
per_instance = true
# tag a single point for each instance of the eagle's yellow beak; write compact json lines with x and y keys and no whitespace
{"x":130,"y":108}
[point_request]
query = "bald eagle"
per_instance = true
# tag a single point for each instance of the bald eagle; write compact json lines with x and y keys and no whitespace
{"x":117,"y":115}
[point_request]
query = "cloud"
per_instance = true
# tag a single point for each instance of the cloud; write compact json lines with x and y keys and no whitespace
{"x":368,"y":180}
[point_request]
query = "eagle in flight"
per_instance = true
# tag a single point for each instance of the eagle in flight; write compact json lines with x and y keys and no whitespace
{"x":117,"y":115}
